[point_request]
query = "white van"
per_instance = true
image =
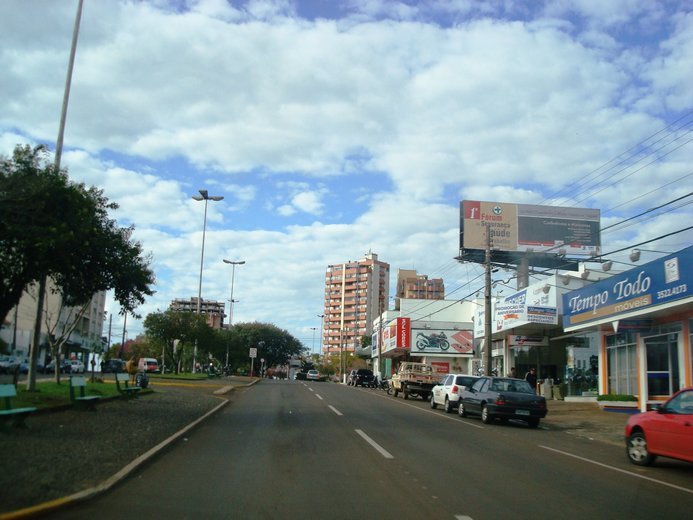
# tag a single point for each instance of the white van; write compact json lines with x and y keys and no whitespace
{"x":147,"y":364}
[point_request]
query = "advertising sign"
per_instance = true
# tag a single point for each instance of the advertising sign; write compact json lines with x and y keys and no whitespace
{"x":528,"y":227}
{"x":644,"y":288}
{"x":397,"y":335}
{"x":534,"y":304}
{"x":439,"y":341}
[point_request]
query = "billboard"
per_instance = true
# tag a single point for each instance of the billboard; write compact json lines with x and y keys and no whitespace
{"x":397,"y":335}
{"x":663,"y":281}
{"x":442,"y":341}
{"x":528,"y":227}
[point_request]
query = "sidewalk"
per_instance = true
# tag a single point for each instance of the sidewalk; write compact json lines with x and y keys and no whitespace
{"x":586,"y":419}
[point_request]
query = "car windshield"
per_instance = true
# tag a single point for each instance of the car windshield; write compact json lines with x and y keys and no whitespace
{"x":465,"y":380}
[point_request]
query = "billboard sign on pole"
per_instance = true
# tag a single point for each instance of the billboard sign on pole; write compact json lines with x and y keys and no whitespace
{"x":530,"y":228}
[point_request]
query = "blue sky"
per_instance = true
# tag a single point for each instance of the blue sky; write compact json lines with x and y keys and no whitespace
{"x":334,"y":128}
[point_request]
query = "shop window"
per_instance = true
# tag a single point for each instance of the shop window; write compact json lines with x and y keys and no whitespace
{"x":622,"y":374}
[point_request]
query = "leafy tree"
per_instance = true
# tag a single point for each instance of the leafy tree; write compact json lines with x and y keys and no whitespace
{"x":54,"y":229}
{"x":174,"y":332}
{"x":274,"y":345}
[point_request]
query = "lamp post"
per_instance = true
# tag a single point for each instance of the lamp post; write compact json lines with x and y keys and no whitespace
{"x":322,"y":332}
{"x":312,"y":348}
{"x":204,"y":195}
{"x":231,"y":301}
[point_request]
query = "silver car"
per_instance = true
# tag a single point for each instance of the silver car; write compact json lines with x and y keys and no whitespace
{"x":447,"y":392}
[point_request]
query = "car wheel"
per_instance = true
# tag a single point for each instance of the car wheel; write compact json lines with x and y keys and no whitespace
{"x":486,"y":417}
{"x":460,"y":410}
{"x":433,"y":402}
{"x":637,"y":451}
{"x":533,"y":422}
{"x":448,"y":406}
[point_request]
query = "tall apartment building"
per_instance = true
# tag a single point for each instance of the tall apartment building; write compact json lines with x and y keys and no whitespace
{"x":411,"y":285}
{"x":355,"y":293}
{"x":87,"y":336}
{"x":212,"y":310}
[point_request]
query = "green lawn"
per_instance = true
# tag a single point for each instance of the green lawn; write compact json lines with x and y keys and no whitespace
{"x":50,"y":394}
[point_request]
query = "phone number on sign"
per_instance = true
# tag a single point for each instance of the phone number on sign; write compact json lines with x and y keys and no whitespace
{"x":673,"y":291}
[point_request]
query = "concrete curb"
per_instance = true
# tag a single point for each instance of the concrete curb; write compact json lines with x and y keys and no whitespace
{"x":89,"y":493}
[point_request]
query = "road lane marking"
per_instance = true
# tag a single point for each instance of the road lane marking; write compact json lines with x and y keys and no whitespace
{"x":335,"y":410}
{"x":377,"y":446}
{"x":613,"y":468}
{"x":319,"y":396}
{"x":451,"y":417}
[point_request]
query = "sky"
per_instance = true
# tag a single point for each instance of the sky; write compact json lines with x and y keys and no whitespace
{"x":336,"y":128}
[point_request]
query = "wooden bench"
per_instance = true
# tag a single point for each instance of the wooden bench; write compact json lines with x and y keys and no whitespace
{"x":15,"y":416}
{"x":123,"y":385}
{"x":87,"y":402}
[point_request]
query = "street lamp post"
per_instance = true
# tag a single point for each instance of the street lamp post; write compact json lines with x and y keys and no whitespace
{"x":322,"y":332}
{"x":312,"y":348}
{"x":204,"y":195}
{"x":231,"y":301}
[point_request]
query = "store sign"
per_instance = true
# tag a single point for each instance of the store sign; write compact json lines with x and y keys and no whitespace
{"x":397,"y":335}
{"x":663,"y":281}
{"x":442,"y":341}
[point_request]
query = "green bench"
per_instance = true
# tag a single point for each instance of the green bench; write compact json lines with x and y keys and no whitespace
{"x":123,"y":385}
{"x":78,"y":385}
{"x":15,"y":416}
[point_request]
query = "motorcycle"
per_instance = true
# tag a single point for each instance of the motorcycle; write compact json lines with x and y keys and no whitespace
{"x":434,"y":341}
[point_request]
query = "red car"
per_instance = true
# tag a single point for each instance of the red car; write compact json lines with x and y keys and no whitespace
{"x":666,"y":431}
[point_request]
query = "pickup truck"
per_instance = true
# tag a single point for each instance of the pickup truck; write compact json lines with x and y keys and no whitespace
{"x":414,"y":379}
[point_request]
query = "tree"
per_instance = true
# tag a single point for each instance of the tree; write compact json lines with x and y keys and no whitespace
{"x":173,"y":331}
{"x":274,"y":345}
{"x":51,"y":228}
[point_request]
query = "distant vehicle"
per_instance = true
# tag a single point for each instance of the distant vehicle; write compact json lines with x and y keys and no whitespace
{"x":666,"y":431}
{"x":361,"y":377}
{"x":313,"y":375}
{"x":502,"y":398}
{"x":8,"y":364}
{"x":447,"y":392}
{"x":414,"y":379}
{"x":65,"y":367}
{"x":113,"y":365}
{"x":150,"y":365}
{"x":76,"y":366}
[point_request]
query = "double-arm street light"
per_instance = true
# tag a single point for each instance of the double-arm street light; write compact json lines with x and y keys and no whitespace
{"x":204,"y":195}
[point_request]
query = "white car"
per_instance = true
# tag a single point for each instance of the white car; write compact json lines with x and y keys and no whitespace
{"x":313,"y":375}
{"x":76,"y":366}
{"x":447,"y":392}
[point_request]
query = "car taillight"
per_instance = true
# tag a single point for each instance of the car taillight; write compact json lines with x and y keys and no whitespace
{"x":500,"y":400}
{"x":454,"y":389}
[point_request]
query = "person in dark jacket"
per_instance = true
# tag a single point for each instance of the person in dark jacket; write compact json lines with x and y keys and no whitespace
{"x":531,"y":378}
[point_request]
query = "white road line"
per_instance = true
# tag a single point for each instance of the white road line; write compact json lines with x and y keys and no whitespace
{"x":463,"y":517}
{"x":319,"y":396}
{"x":335,"y":410}
{"x":377,"y":446}
{"x":630,"y":473}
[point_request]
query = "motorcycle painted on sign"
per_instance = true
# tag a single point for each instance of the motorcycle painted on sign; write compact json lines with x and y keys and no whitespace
{"x":432,"y":342}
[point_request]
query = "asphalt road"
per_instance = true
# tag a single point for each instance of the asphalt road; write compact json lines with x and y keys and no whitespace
{"x":290,"y":449}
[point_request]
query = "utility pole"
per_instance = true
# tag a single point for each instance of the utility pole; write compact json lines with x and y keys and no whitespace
{"x":487,"y":303}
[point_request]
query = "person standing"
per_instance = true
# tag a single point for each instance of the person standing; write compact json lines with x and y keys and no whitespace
{"x":531,"y":378}
{"x":512,"y":373}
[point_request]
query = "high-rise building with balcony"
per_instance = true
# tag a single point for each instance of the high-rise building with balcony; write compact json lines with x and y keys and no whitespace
{"x":355,"y":293}
{"x":212,"y":310}
{"x":411,"y":285}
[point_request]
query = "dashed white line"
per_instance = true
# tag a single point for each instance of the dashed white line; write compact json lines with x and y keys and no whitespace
{"x":319,"y":397}
{"x":377,"y":446}
{"x":334,"y":410}
{"x":674,"y":486}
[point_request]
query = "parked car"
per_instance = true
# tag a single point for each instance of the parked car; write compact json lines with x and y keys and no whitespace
{"x":65,"y":367}
{"x":76,"y":366}
{"x":148,"y":365}
{"x":361,"y":377}
{"x":447,"y":392}
{"x":666,"y":431}
{"x":8,"y":364}
{"x":113,"y":365}
{"x":313,"y":375}
{"x":502,"y":398}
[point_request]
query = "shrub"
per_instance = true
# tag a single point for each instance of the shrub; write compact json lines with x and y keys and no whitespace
{"x":616,"y":397}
